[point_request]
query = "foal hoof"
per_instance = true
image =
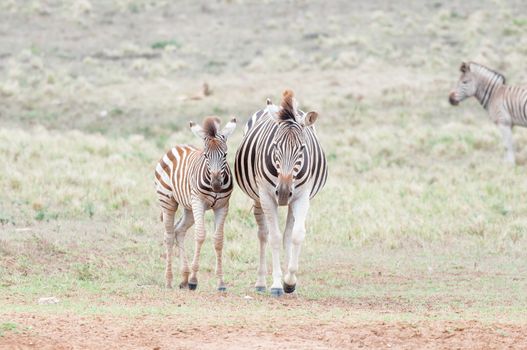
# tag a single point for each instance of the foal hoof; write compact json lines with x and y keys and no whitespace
{"x":289,"y":288}
{"x":277,"y":292}
{"x":192,"y":286}
{"x":260,"y":289}
{"x":222,"y":289}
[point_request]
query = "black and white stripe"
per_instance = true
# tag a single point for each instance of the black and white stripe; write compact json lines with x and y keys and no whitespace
{"x":256,"y":162}
{"x":280,"y":162}
{"x":506,"y":105}
{"x":197,"y":180}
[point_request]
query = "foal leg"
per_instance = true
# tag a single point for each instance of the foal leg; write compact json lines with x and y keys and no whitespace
{"x":198,"y":209}
{"x":220,"y":214}
{"x":506,"y":133}
{"x":182,"y":227}
{"x":263,"y":233}
{"x":168,"y":220}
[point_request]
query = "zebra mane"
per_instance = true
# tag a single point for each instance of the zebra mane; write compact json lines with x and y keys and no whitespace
{"x":486,"y":71}
{"x":288,"y":110}
{"x":211,"y":126}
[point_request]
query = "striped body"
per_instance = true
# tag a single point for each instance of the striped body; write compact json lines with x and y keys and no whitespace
{"x":280,"y":163}
{"x":195,"y":180}
{"x":182,"y":174}
{"x":506,"y":105}
{"x":253,"y":165}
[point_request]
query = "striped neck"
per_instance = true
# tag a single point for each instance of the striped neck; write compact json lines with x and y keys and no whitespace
{"x":488,"y":83}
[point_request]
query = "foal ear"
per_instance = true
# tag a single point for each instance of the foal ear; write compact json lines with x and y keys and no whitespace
{"x":229,"y":128}
{"x":310,"y":118}
{"x":465,"y":67}
{"x":197,"y":130}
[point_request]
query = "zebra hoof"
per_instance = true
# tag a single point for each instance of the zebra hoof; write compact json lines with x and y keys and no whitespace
{"x":260,"y":289}
{"x":289,"y":288}
{"x":183,"y":285}
{"x":192,"y":286}
{"x":222,"y":289}
{"x":277,"y":292}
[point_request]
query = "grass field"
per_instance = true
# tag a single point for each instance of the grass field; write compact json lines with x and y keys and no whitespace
{"x":419,"y":239}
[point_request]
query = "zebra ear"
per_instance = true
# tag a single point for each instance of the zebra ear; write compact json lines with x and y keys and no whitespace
{"x":272,"y":110}
{"x":464,"y":67}
{"x":310,"y":118}
{"x":229,"y":128}
{"x":197,"y":130}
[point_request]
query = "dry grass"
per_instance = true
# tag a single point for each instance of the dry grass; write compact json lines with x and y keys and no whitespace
{"x":419,"y":220}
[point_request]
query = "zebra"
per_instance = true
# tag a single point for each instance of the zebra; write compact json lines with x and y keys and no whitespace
{"x":506,"y":105}
{"x":280,"y":163}
{"x":197,"y":180}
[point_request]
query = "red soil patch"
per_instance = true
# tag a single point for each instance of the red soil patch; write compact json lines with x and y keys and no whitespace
{"x":146,"y":332}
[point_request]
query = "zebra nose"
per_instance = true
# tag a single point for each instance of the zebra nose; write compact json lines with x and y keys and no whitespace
{"x":452,"y":99}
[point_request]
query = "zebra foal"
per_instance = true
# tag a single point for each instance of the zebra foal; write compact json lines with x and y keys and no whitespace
{"x":197,"y":180}
{"x":280,"y":163}
{"x":506,"y":105}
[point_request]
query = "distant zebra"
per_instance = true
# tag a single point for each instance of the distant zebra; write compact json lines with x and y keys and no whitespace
{"x":197,"y":180}
{"x":280,"y":162}
{"x":507,"y":105}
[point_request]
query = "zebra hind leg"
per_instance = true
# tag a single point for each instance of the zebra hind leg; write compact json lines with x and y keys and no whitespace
{"x":186,"y":221}
{"x":263,"y":235}
{"x":168,"y":221}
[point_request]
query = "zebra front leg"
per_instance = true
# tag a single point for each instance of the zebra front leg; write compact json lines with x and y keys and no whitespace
{"x":220,"y":214}
{"x":186,"y":221}
{"x":288,"y":235}
{"x":300,"y":208}
{"x":506,"y":133}
{"x":270,"y":210}
{"x":168,"y":221}
{"x":198,"y":209}
{"x":263,"y":234}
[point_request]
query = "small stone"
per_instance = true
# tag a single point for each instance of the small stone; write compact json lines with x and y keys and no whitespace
{"x":248,"y":297}
{"x":48,"y":301}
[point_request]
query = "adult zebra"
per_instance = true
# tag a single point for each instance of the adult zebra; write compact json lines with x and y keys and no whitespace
{"x":506,"y":105}
{"x":280,"y":162}
{"x":198,"y":180}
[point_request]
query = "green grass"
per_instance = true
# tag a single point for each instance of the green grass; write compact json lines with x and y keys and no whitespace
{"x":420,"y":219}
{"x":7,"y":327}
{"x":164,"y":43}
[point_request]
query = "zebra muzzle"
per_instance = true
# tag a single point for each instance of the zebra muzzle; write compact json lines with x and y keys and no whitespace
{"x":452,"y":99}
{"x":283,"y":194}
{"x":216,"y":186}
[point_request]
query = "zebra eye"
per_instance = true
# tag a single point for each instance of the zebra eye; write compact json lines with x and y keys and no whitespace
{"x":465,"y":81}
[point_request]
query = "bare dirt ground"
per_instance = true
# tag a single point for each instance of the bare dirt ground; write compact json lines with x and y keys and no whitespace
{"x":71,"y":331}
{"x":418,"y":240}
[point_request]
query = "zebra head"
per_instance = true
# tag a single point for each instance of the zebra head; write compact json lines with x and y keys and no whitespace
{"x":466,"y":86}
{"x":215,"y":149}
{"x":288,"y":146}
